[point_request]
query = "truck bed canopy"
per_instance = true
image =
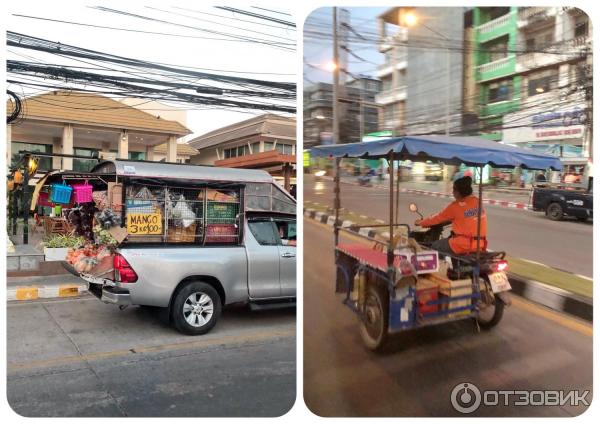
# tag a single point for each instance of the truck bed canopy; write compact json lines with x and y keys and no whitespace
{"x":472,"y":151}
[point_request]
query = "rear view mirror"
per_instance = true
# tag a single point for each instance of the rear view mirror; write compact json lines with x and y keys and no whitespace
{"x":413,"y":207}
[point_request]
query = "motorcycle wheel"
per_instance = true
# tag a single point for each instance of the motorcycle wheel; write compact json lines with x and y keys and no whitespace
{"x":490,"y":314}
{"x":374,"y":323}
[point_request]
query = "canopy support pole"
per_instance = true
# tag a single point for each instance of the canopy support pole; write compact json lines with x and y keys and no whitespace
{"x":336,"y":201}
{"x":479,"y":212}
{"x":397,"y":189}
{"x":390,"y":249}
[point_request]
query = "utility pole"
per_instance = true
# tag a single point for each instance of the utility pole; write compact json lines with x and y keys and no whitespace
{"x":336,"y":81}
{"x":336,"y":126}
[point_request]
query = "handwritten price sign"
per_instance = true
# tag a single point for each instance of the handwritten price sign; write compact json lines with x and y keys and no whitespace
{"x":144,"y":223}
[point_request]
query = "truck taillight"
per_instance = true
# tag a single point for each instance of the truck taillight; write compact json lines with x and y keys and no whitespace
{"x":124,"y":273}
{"x":501,"y":266}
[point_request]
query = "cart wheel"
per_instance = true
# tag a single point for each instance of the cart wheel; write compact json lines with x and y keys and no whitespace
{"x":490,"y":314}
{"x":374,"y":323}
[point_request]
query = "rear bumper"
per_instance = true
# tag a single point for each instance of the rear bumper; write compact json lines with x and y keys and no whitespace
{"x":113,"y":295}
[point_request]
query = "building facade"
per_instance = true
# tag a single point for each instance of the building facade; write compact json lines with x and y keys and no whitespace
{"x":358,"y":111}
{"x":265,"y":142}
{"x":88,"y":125}
{"x":392,"y":73}
{"x":534,"y":72}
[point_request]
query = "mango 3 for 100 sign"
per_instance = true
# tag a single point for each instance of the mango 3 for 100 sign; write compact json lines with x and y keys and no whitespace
{"x":144,"y":223}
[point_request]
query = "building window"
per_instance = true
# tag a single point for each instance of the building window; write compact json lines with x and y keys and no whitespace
{"x":581,"y":27}
{"x":84,"y":165}
{"x":137,"y":155}
{"x":256,"y":147}
{"x":285,"y":149}
{"x":269,"y":145}
{"x":539,"y":39}
{"x":44,"y":164}
{"x":500,"y":91}
{"x":497,"y":49}
{"x":542,"y":82}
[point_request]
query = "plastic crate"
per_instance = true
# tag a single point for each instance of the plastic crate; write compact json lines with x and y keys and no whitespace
{"x":61,"y":193}
{"x":221,"y":233}
{"x":43,"y":199}
{"x":82,"y":193}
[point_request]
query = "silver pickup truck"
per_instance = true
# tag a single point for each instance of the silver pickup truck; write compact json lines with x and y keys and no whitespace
{"x":194,"y":278}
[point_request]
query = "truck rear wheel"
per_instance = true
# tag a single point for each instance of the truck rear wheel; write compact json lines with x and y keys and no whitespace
{"x":196,"y":308}
{"x":554,"y":211}
{"x":374,"y":322}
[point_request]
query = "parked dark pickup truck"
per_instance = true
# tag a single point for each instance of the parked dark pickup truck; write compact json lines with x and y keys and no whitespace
{"x":558,"y":201}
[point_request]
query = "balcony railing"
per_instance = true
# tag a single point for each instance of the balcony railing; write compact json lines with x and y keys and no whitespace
{"x":529,"y":15}
{"x":493,"y":24}
{"x":495,"y":66}
{"x":390,"y":96}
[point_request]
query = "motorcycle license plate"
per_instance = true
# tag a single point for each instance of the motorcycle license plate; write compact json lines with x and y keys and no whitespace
{"x":499,"y":282}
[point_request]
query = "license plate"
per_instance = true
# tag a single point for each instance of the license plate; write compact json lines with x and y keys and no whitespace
{"x":499,"y":282}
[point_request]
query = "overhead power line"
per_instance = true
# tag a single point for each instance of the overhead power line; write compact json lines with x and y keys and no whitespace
{"x":256,"y":15}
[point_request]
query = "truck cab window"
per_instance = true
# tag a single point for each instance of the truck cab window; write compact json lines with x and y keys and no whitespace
{"x":287,"y":232}
{"x":264,"y":232}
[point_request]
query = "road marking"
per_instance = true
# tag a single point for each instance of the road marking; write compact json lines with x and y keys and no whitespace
{"x":233,"y":339}
{"x":561,"y":319}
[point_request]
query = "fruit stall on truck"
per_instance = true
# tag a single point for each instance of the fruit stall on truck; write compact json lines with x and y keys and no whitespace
{"x":187,"y":238}
{"x":397,"y":282}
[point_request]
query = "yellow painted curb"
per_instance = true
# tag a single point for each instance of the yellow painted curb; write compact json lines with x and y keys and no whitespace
{"x":68,"y":290}
{"x":27,"y":293}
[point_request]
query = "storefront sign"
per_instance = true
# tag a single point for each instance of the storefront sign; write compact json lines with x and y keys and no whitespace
{"x":566,"y":118}
{"x":144,"y":223}
{"x":533,"y":134}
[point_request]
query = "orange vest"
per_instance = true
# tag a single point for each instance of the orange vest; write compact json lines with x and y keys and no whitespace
{"x":463,"y":216}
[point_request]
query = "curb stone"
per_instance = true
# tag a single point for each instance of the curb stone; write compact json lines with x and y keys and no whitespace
{"x":534,"y":291}
{"x":34,"y":292}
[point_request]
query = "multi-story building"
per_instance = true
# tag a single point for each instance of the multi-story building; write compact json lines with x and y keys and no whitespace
{"x":358,"y":111}
{"x":392,"y":72}
{"x":534,"y":78}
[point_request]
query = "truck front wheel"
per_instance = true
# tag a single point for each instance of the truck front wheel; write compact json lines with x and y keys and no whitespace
{"x":554,"y":211}
{"x":196,"y":308}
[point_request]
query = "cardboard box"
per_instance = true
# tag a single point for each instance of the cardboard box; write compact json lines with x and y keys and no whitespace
{"x":424,"y":262}
{"x":455,"y":288}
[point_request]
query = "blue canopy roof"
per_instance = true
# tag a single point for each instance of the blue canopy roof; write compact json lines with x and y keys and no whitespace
{"x":472,"y":151}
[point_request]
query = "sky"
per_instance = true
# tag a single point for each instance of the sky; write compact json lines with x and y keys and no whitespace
{"x":317,"y":53}
{"x":252,"y":59}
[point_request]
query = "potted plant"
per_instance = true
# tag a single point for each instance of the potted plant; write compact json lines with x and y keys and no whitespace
{"x":56,"y":246}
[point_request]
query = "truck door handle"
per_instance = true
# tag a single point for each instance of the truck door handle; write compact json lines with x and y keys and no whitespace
{"x":288,"y":255}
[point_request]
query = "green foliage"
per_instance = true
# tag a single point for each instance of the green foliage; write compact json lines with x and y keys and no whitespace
{"x":62,"y":241}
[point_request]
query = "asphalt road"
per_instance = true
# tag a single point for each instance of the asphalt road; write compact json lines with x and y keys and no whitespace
{"x":532,"y":348}
{"x":80,"y":357}
{"x":564,"y":245}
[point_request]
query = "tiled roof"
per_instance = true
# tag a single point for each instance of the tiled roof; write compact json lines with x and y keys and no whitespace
{"x":269,"y":125}
{"x":182,"y":149}
{"x":94,"y":109}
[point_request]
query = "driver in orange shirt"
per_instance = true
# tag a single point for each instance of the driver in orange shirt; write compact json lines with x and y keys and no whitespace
{"x":462,"y":213}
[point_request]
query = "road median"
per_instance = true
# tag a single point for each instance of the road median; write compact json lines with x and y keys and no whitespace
{"x":556,"y":289}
